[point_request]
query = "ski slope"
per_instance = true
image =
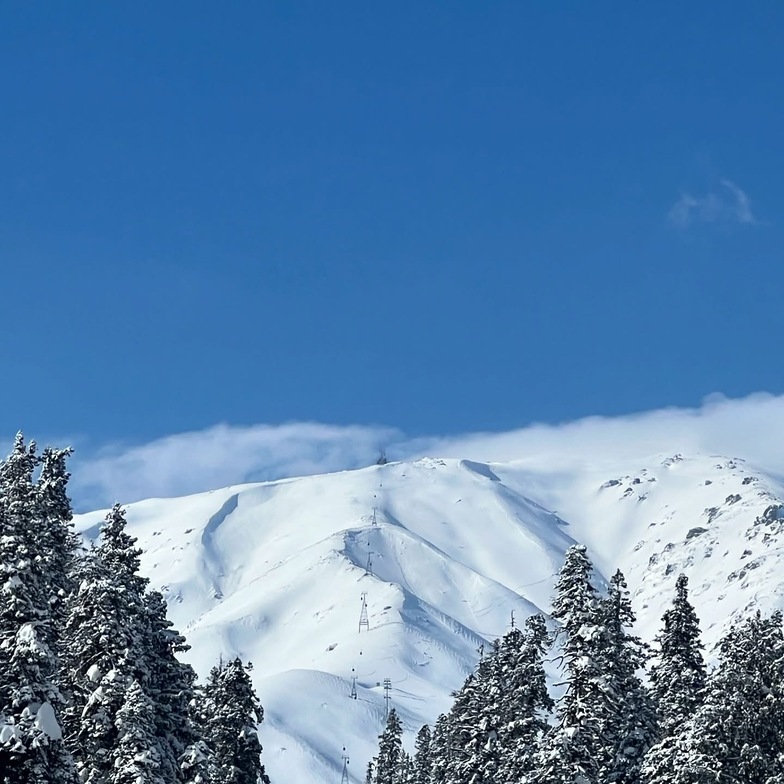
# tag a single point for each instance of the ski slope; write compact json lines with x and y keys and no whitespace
{"x":443,"y":551}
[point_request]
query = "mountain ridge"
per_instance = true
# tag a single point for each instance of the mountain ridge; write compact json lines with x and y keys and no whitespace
{"x":274,"y":572}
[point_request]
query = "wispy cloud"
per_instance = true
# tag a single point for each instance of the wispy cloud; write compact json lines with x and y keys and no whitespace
{"x":752,"y":428}
{"x":728,"y":203}
{"x":219,"y":456}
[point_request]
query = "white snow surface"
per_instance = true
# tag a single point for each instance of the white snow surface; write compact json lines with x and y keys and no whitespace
{"x":274,"y":572}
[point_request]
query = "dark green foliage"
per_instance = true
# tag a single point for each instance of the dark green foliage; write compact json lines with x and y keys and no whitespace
{"x":136,"y":758}
{"x":629,"y":726}
{"x":59,"y":543}
{"x":524,"y":700}
{"x":170,"y":687}
{"x":440,"y":750}
{"x":737,"y":734}
{"x":389,"y":765}
{"x":575,"y":749}
{"x":31,"y":746}
{"x":678,"y":677}
{"x":230,"y":714}
{"x":420,"y":772}
{"x":86,"y":622}
{"x":104,"y":646}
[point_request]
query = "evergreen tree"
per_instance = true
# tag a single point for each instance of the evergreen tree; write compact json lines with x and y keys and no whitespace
{"x":31,"y":745}
{"x":104,"y":646}
{"x":678,"y":679}
{"x":575,"y":750}
{"x":422,"y":762}
{"x":440,"y":750}
{"x":136,"y":758}
{"x":195,"y":763}
{"x":406,"y":768}
{"x":59,"y":543}
{"x":629,"y":726}
{"x":461,"y":757}
{"x":231,"y":714}
{"x":170,"y":686}
{"x":476,"y":720}
{"x":524,"y":701}
{"x":389,"y":762}
{"x":737,"y":734}
{"x":679,"y":676}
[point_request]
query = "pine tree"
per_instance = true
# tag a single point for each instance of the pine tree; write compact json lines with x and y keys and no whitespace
{"x":678,"y":679}
{"x":406,"y":768}
{"x":440,"y":750}
{"x":525,"y":702}
{"x":59,"y":543}
{"x":231,"y":714}
{"x":737,"y":733}
{"x":170,"y":686}
{"x":31,"y":745}
{"x":476,"y":721}
{"x":389,"y":762}
{"x":629,"y":726}
{"x":575,"y":750}
{"x":679,"y":676}
{"x":136,"y":758}
{"x":460,"y":759}
{"x":420,"y":773}
{"x":104,"y":646}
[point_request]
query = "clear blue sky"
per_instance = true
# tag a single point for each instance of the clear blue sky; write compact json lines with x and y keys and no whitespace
{"x":440,"y":216}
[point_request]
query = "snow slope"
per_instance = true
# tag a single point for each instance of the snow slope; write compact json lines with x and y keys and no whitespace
{"x":276,"y":572}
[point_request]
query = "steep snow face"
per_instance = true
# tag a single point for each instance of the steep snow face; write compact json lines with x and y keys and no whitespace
{"x":442,"y":552}
{"x":717,"y":519}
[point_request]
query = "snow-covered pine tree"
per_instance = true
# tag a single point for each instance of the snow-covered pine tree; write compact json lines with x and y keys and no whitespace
{"x":455,"y":755}
{"x":420,"y":770}
{"x":575,"y":750}
{"x":231,"y":713}
{"x":388,"y":765}
{"x":678,"y":680}
{"x":629,"y":725}
{"x":440,"y":750}
{"x":59,"y":544}
{"x":737,"y":733}
{"x":169,"y":685}
{"x":136,"y":758}
{"x":678,"y":677}
{"x":525,"y":702}
{"x":406,"y":767}
{"x":104,"y":646}
{"x":476,"y":719}
{"x":31,"y":744}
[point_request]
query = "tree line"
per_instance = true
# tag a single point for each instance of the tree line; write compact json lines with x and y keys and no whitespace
{"x":624,"y":714}
{"x":91,"y":689}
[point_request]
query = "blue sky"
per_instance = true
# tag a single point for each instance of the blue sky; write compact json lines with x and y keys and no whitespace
{"x":435,"y":216}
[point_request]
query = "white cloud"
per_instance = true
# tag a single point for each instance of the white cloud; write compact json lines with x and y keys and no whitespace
{"x":219,"y":456}
{"x":752,"y":428}
{"x":726,"y":204}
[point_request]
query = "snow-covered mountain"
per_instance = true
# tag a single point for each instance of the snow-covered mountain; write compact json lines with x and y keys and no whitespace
{"x":442,"y":552}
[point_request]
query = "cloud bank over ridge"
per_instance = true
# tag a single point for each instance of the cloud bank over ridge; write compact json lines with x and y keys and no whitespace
{"x":751,"y":428}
